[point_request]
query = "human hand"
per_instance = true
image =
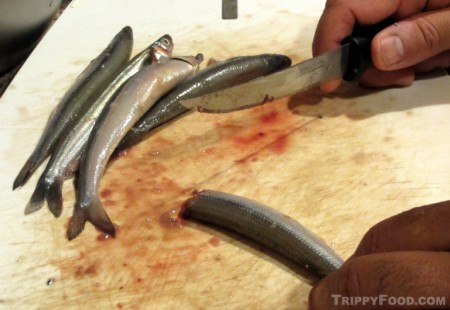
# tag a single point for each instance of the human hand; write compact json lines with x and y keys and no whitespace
{"x":407,"y":255}
{"x":419,"y":41}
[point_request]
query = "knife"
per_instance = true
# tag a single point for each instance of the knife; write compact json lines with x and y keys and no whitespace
{"x":348,"y":61}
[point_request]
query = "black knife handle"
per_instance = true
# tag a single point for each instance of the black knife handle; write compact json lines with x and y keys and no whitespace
{"x":359,"y":56}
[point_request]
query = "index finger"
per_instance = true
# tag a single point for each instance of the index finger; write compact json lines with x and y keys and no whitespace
{"x":420,"y":229}
{"x":397,"y":275}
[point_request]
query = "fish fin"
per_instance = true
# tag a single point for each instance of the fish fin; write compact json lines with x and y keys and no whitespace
{"x":24,"y":174}
{"x":100,"y":219}
{"x":38,"y":197}
{"x":54,"y":196}
{"x":76,"y":222}
{"x":94,"y":213}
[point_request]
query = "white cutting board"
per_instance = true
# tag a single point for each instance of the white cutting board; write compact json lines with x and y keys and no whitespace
{"x":337,"y":164}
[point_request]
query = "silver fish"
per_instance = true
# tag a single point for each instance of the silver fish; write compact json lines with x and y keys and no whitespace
{"x":265,"y":226}
{"x":137,"y":96}
{"x":216,"y":77}
{"x":64,"y":160}
{"x":76,"y":101}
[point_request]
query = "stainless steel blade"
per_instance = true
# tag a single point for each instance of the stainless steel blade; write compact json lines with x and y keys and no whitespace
{"x":286,"y":82}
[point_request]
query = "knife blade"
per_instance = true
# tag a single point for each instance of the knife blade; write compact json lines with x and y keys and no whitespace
{"x":283,"y":83}
{"x":348,"y":61}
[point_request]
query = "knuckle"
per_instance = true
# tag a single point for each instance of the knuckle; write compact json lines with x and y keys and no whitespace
{"x":412,"y":275}
{"x":436,"y":4}
{"x":389,"y":274}
{"x":331,"y":3}
{"x":384,"y":274}
{"x":371,"y":243}
{"x":430,"y":32}
{"x":351,"y":280}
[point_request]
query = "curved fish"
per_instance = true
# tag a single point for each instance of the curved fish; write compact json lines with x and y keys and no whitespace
{"x":137,"y":96}
{"x":266,"y":226}
{"x":64,"y":160}
{"x":76,"y":101}
{"x":216,"y":77}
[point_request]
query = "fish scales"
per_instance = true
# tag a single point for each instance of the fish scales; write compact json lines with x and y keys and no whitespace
{"x":266,"y":226}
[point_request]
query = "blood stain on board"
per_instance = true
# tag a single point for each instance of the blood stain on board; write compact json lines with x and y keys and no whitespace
{"x":81,"y":271}
{"x":106,"y":193}
{"x":245,"y":140}
{"x":170,"y":219}
{"x":279,"y":145}
{"x":105,"y":237}
{"x":143,"y":192}
{"x":214,"y":241}
{"x":269,"y":118}
{"x":269,"y":128}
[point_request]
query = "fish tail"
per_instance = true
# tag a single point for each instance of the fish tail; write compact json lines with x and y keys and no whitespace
{"x":94,"y":213}
{"x":38,"y":197}
{"x":54,"y":196}
{"x":76,"y":222}
{"x":25,"y":173}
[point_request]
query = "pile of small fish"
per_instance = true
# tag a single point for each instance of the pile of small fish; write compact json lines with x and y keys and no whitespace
{"x":113,"y":104}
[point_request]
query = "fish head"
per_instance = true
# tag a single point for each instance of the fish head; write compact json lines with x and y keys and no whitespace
{"x":195,"y":61}
{"x":162,"y":49}
{"x":276,"y":62}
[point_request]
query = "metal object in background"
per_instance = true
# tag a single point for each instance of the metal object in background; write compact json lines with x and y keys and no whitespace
{"x":229,"y":9}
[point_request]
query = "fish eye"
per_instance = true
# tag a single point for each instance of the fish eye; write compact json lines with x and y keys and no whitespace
{"x":165,"y":41}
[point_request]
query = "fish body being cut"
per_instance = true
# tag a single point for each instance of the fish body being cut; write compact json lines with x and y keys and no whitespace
{"x":216,"y":77}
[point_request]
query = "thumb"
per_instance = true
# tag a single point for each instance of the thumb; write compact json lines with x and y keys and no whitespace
{"x":412,"y":40}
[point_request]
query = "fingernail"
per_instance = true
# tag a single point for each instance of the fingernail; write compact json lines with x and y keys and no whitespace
{"x":392,"y":50}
